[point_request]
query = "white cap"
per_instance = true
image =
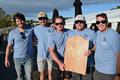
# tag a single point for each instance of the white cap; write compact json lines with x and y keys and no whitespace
{"x":80,"y":17}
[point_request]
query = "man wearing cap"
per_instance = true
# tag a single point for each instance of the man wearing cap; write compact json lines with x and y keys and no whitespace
{"x":43,"y":58}
{"x":81,"y":29}
{"x":43,"y":19}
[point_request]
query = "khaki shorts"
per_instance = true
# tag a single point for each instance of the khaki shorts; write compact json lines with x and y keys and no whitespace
{"x":44,"y":64}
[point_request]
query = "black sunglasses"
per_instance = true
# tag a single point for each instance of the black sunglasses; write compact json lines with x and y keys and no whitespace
{"x":79,"y":21}
{"x":61,"y":23}
{"x":103,"y":22}
{"x":42,"y":18}
{"x":23,"y":35}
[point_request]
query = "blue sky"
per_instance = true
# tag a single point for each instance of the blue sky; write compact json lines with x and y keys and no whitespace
{"x":30,"y":8}
{"x":88,"y":9}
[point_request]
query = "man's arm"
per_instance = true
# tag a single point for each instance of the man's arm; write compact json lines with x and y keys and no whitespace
{"x":118,"y":67}
{"x":93,"y":49}
{"x":55,"y":58}
{"x":118,"y":63}
{"x":89,"y":52}
{"x":8,"y":49}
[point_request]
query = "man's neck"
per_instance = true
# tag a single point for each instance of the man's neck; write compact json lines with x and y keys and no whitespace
{"x":21,"y":29}
{"x":61,"y":31}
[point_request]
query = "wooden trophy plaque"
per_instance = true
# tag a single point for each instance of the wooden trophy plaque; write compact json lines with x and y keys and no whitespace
{"x":75,"y":59}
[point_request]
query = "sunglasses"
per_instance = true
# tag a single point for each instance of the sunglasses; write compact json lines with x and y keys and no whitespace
{"x":79,"y":21}
{"x":23,"y":35}
{"x":61,"y":23}
{"x":42,"y":18}
{"x":103,"y":22}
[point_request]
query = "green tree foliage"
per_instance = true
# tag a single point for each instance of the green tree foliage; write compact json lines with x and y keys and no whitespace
{"x":117,"y":7}
{"x":5,"y":19}
{"x":30,"y":22}
{"x":5,"y":22}
{"x":2,"y":13}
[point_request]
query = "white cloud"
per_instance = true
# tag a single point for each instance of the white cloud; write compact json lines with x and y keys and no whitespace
{"x":32,"y":7}
{"x":35,"y":5}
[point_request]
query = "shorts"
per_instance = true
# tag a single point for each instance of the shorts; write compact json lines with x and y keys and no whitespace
{"x":44,"y":64}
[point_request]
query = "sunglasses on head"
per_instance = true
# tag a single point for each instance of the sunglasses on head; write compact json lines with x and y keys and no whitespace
{"x":61,"y":23}
{"x":103,"y":22}
{"x":23,"y":35}
{"x":79,"y":21}
{"x":42,"y":18}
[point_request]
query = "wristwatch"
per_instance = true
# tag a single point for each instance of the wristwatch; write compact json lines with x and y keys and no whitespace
{"x":118,"y":74}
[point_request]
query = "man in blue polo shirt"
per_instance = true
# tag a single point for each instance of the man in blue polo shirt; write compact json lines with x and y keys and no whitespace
{"x":21,"y":41}
{"x":56,"y":44}
{"x":107,"y":63}
{"x":81,"y":29}
{"x":43,"y":57}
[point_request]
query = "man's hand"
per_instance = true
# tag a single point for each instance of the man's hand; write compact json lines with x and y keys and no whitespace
{"x":87,"y":53}
{"x":8,"y":49}
{"x":62,"y":66}
{"x":7,"y":63}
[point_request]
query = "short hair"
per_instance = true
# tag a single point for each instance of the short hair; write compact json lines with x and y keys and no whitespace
{"x":61,"y":17}
{"x":19,"y":16}
{"x":103,"y":15}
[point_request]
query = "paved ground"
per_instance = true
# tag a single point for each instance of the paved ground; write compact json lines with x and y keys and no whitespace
{"x":10,"y":73}
{"x":6,"y":73}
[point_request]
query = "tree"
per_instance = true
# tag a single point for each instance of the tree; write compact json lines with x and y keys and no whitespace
{"x":117,"y":7}
{"x":30,"y":22}
{"x":2,"y":13}
{"x":5,"y":19}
